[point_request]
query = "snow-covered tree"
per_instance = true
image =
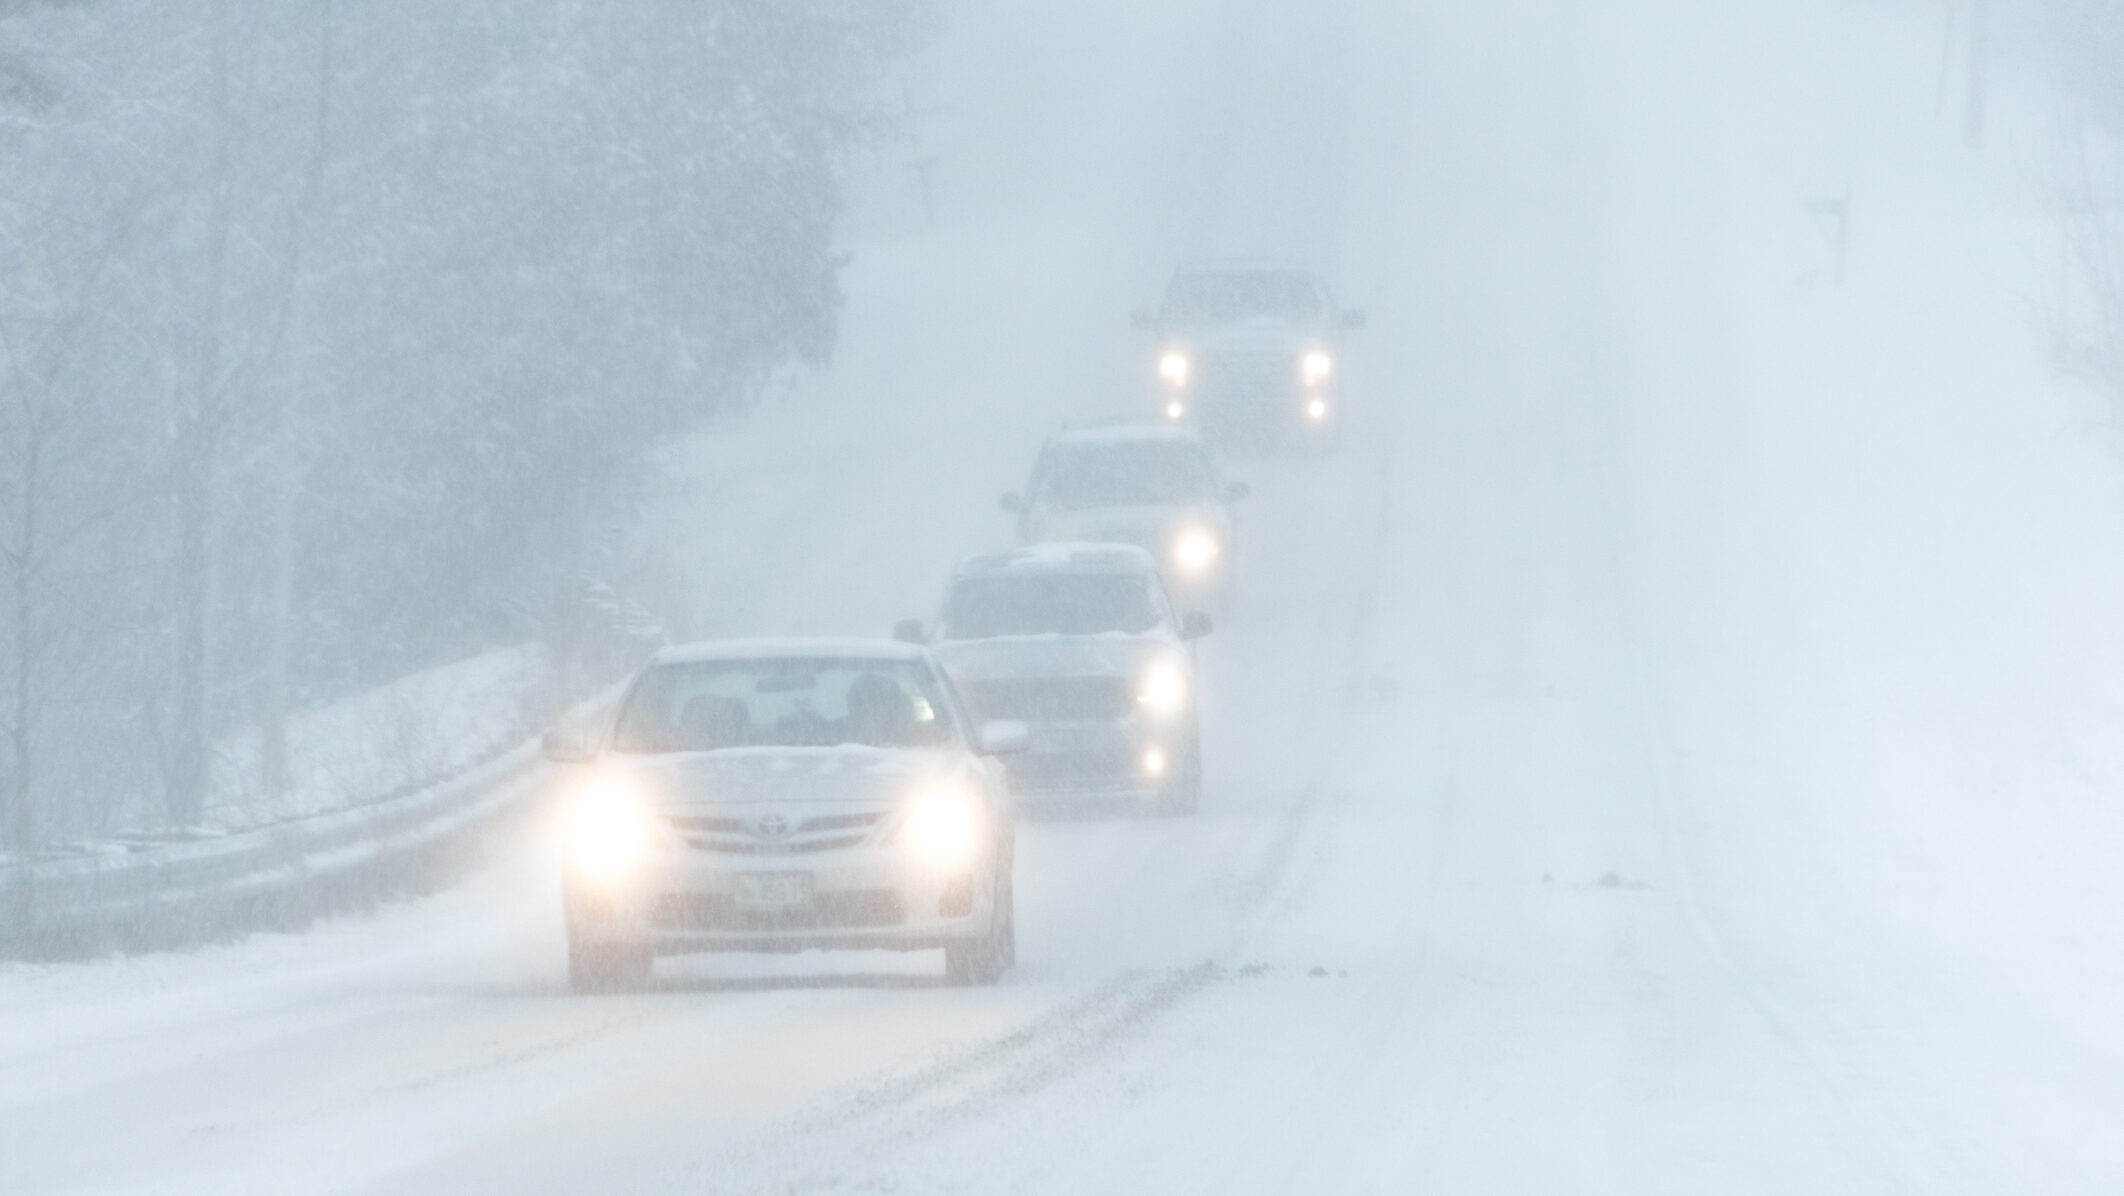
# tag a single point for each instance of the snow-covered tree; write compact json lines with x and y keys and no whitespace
{"x":330,"y":325}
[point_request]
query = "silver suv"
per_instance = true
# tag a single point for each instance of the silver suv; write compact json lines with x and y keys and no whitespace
{"x":1149,"y":485}
{"x":1252,"y":352}
{"x":1080,"y":643}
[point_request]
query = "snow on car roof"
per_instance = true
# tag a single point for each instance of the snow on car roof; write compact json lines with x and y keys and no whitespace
{"x":1127,"y":433}
{"x":789,"y":648}
{"x":1062,"y":556}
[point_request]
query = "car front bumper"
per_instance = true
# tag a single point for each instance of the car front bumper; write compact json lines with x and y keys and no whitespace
{"x":685,"y":901}
{"x":1126,"y":759}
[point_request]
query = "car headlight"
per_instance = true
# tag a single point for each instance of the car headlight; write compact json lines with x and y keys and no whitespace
{"x":610,"y":831}
{"x":1175,"y":409}
{"x":1164,"y":689}
{"x":1317,"y":367}
{"x":1175,"y":367}
{"x":944,"y":828}
{"x":1316,"y":409}
{"x":1196,"y":549}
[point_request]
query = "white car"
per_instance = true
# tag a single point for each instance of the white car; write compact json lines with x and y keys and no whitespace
{"x":785,"y":795}
{"x":1153,"y":486}
{"x":1080,"y":643}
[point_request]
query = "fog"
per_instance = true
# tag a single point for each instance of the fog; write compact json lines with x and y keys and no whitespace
{"x":1656,"y":715}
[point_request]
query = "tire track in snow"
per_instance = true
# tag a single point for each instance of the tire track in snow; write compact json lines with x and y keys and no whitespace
{"x":844,"y":1137}
{"x":1873,"y":1118}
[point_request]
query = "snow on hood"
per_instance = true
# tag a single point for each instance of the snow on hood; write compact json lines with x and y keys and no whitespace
{"x":849,"y":773}
{"x":1017,"y":656}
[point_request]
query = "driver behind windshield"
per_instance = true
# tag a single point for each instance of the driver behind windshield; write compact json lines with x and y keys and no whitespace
{"x":710,"y":706}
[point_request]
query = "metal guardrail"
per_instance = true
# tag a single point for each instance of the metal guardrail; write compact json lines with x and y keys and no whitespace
{"x":280,"y":876}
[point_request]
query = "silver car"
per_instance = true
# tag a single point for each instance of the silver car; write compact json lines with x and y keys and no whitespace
{"x":1079,"y":643}
{"x":784,"y":796}
{"x":1144,"y":484}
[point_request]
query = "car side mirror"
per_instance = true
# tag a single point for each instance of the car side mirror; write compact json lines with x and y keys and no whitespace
{"x":1194,"y":625}
{"x":1143,"y":320}
{"x":1235,"y":491}
{"x":909,"y":631}
{"x":1014,"y":502}
{"x":1351,"y":319}
{"x":1003,"y":737}
{"x":565,"y":747}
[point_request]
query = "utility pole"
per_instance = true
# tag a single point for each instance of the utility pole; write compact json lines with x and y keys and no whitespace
{"x":21,"y":829}
{"x":197,"y":434}
{"x":289,"y":456}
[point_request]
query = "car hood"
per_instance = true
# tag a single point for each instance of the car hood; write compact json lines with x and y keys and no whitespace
{"x":1011,"y":657}
{"x":1262,"y":335}
{"x":849,"y":774}
{"x":1149,"y":527}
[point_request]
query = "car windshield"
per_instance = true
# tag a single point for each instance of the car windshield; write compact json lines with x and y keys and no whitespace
{"x":1049,"y":604}
{"x":709,"y":705}
{"x":1218,"y":297}
{"x":1152,"y":473}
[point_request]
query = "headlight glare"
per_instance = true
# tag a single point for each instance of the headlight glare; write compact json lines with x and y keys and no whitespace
{"x":1196,"y":549}
{"x":610,"y":831}
{"x":1174,"y":367}
{"x":1164,"y":689}
{"x":943,"y":828}
{"x":1318,"y":366}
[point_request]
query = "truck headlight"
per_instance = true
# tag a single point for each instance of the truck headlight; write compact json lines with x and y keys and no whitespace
{"x":943,"y":828}
{"x":1196,"y":549}
{"x":1318,"y":366}
{"x":1175,"y":367}
{"x":610,"y":831}
{"x":1164,"y":690}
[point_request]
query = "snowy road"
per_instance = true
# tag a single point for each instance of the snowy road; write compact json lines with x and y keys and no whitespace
{"x":1584,"y":812}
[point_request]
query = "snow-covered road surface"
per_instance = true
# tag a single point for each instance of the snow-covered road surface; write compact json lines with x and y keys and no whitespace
{"x":1666,"y":751}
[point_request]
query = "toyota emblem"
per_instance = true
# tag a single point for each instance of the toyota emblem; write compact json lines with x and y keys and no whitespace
{"x":774,"y":826}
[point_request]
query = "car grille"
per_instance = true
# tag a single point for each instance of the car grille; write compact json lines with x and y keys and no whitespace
{"x":1051,"y":699}
{"x":1103,"y":771}
{"x":854,"y":910}
{"x":1262,"y":377}
{"x":735,"y":836}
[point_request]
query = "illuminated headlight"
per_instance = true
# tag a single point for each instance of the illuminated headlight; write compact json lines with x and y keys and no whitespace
{"x":1317,"y":367}
{"x":1174,"y":367}
{"x":1316,"y":409}
{"x":1154,"y":763}
{"x":610,"y":832}
{"x":943,"y":828}
{"x":1164,"y":690}
{"x":1175,"y":409}
{"x":1195,"y":549}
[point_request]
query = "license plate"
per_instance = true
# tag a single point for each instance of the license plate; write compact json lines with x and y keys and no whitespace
{"x":773,"y":890}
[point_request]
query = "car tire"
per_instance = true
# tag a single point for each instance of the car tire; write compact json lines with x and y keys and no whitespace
{"x":607,"y":967}
{"x":983,"y":961}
